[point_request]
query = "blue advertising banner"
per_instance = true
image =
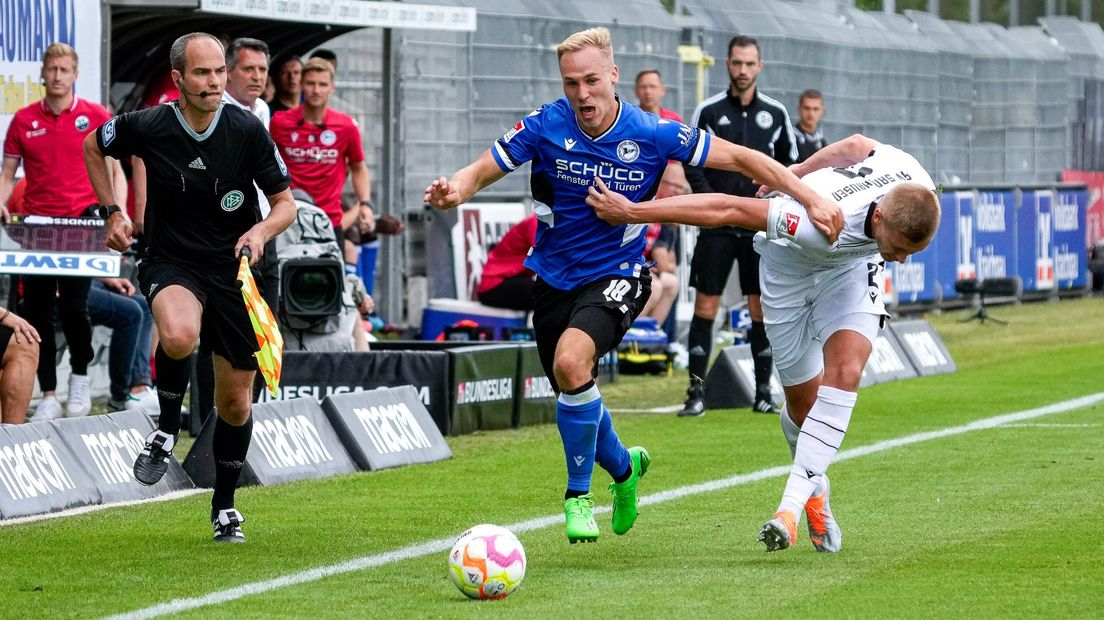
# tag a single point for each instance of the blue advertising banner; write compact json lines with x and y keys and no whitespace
{"x":994,"y":229}
{"x":1070,"y":205}
{"x":1034,"y":240}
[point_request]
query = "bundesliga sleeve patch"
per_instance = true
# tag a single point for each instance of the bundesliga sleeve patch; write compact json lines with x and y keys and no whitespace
{"x":786,"y":225}
{"x":513,"y":132}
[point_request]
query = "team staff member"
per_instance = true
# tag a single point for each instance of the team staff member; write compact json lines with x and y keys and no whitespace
{"x":650,"y":91}
{"x":203,"y":157}
{"x":320,"y":145}
{"x":742,"y":115}
{"x":810,"y":107}
{"x":823,"y":301}
{"x":592,"y":279}
{"x":47,"y":136}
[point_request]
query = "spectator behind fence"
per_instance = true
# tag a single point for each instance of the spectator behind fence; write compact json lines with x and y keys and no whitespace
{"x":47,"y":136}
{"x":810,"y":107}
{"x":744,"y":116}
{"x":322,"y":145}
{"x":19,"y":350}
{"x":288,"y":84}
{"x":650,"y":91}
{"x":506,"y":282}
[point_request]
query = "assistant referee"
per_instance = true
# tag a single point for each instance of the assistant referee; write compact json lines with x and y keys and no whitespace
{"x":203,"y":158}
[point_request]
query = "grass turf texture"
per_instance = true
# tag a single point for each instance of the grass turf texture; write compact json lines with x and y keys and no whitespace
{"x":994,"y":522}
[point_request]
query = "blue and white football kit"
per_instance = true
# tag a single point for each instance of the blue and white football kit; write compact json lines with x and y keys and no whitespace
{"x":591,"y":274}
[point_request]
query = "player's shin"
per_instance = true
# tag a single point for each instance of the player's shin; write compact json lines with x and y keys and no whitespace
{"x":609,"y":452}
{"x":229,"y":446}
{"x":578,"y":414}
{"x":172,"y":383}
{"x":819,"y":441}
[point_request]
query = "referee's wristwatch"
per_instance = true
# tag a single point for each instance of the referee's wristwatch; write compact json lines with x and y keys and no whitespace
{"x":107,"y":210}
{"x":367,"y":203}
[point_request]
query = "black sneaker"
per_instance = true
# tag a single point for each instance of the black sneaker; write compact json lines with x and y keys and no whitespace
{"x":227,"y":526}
{"x":765,"y":405}
{"x":695,"y":400}
{"x":153,"y":461}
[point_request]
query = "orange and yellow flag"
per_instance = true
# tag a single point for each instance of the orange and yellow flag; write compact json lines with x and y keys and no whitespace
{"x":269,"y":340}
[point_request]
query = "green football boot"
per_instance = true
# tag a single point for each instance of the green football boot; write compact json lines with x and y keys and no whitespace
{"x":579,"y":518}
{"x":624,"y":493}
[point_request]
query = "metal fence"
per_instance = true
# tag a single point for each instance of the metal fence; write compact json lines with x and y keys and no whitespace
{"x":976,"y":103}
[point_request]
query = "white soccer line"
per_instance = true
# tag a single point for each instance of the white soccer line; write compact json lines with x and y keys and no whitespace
{"x":443,"y":544}
{"x":80,"y":510}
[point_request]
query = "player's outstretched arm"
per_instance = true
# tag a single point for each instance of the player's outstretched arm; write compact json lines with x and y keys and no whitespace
{"x":450,"y":193}
{"x":850,"y":150}
{"x":706,"y":210}
{"x":825,"y":213}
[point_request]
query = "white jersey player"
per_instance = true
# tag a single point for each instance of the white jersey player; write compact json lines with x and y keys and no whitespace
{"x":822,"y":301}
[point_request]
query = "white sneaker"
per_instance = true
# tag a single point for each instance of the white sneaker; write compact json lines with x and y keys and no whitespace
{"x":48,"y":409}
{"x":80,"y":396}
{"x":146,"y":399}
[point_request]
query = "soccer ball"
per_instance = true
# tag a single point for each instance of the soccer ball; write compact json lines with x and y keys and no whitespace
{"x":486,"y":562}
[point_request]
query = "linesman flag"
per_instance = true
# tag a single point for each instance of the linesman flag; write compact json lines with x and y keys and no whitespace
{"x":270,"y":354}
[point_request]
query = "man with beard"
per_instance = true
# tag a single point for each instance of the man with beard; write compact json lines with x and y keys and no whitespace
{"x":741,"y":115}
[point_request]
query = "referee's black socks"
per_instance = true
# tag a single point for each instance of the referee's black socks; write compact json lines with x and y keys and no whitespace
{"x":229,"y":445}
{"x":762,"y":355}
{"x":700,"y":345}
{"x":172,"y":382}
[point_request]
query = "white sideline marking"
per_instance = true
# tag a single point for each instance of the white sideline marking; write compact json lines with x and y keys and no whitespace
{"x":443,"y":544}
{"x":70,"y":512}
{"x":1038,"y":425}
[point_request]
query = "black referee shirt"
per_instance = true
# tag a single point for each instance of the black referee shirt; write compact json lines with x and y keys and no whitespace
{"x":764,"y":126}
{"x":200,"y":194}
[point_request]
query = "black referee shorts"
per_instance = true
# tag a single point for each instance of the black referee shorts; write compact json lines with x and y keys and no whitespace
{"x":712,"y":262}
{"x":603,"y":309}
{"x":225,"y":329}
{"x":6,"y":334}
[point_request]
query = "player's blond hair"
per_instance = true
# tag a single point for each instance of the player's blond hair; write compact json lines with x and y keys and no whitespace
{"x":912,"y":210}
{"x":319,"y":65}
{"x":59,"y":50}
{"x":595,"y":37}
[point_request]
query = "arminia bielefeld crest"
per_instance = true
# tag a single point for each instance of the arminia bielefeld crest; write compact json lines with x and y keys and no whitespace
{"x":232,"y":200}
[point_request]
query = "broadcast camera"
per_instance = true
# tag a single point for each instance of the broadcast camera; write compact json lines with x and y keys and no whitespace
{"x":317,"y":305}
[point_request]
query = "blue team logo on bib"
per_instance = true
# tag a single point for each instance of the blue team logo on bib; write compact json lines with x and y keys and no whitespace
{"x":628,"y":151}
{"x":232,"y":200}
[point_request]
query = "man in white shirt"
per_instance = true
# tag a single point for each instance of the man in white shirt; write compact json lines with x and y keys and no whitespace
{"x":822,"y":302}
{"x":246,"y":74}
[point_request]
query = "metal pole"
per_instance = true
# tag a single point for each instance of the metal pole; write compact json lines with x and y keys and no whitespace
{"x":933,"y":7}
{"x":392,"y":263}
{"x":1013,"y":13}
{"x":105,"y":53}
{"x":889,"y":6}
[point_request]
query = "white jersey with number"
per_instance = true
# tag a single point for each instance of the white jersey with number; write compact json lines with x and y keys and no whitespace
{"x":793,"y":245}
{"x":810,"y":288}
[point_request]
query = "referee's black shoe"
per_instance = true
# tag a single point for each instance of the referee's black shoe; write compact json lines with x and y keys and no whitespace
{"x":153,"y":460}
{"x":227,"y":526}
{"x":694,"y":407}
{"x":764,"y":403}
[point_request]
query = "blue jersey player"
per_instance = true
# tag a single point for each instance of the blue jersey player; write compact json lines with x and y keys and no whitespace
{"x":592,"y":282}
